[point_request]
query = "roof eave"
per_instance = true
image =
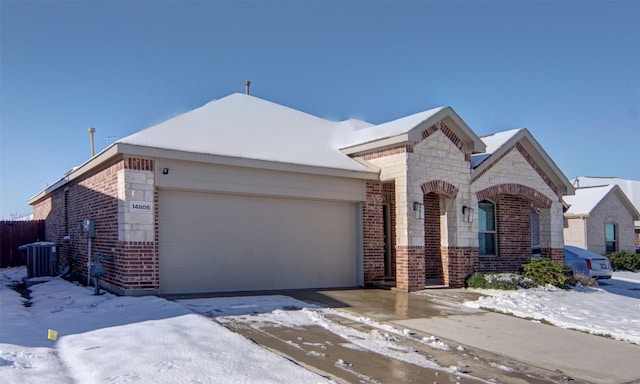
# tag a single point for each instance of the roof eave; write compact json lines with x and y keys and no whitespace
{"x":130,"y":149}
{"x":576,"y":215}
{"x":394,"y":141}
{"x":120,"y":148}
{"x":94,"y":162}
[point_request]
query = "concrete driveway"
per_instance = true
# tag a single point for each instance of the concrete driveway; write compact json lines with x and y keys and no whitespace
{"x":576,"y":355}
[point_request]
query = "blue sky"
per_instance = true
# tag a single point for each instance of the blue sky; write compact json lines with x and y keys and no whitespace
{"x":567,"y":71}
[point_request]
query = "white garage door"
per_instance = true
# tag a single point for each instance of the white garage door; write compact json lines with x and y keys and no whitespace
{"x":217,"y":242}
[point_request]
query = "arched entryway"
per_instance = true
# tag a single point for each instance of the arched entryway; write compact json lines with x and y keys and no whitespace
{"x":438,"y":195}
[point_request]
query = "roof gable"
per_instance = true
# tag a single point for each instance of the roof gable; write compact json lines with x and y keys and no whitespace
{"x":631,"y":188}
{"x":408,"y":130}
{"x":587,"y":199}
{"x":499,"y":144}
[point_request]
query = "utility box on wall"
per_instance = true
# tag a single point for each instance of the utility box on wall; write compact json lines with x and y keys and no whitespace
{"x":41,"y":258}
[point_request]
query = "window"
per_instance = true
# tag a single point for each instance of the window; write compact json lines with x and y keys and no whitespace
{"x":535,"y":226}
{"x":487,"y":228}
{"x":610,"y":237}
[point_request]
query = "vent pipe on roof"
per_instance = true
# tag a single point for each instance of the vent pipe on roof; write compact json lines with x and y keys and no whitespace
{"x":247,"y":84}
{"x":91,"y":132}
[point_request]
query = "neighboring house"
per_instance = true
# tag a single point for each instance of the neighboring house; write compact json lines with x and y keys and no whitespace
{"x":631,"y":189}
{"x":243,"y":194}
{"x":600,"y":219}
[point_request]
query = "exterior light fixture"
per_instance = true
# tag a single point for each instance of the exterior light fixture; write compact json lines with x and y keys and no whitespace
{"x":165,"y":171}
{"x":467,"y":214}
{"x":418,"y":209}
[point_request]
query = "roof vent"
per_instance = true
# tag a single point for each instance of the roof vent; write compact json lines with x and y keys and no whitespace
{"x":91,"y":132}
{"x":247,"y":84}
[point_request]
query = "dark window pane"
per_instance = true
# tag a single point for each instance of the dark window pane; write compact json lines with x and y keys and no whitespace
{"x":610,"y":247}
{"x":487,"y":243}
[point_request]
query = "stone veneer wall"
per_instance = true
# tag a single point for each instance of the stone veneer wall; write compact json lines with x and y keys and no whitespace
{"x":611,"y":210}
{"x":138,"y":265}
{"x":574,"y":232}
{"x":439,"y":164}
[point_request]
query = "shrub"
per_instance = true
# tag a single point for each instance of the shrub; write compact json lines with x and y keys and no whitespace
{"x":624,"y":261}
{"x":503,"y":281}
{"x":543,"y":271}
{"x":476,"y":280}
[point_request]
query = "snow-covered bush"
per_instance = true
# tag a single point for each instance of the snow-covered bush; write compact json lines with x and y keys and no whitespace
{"x":503,"y":281}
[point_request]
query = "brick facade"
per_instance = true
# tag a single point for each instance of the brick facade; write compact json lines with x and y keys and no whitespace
{"x":101,"y":196}
{"x":458,"y":264}
{"x":389,"y":195}
{"x":428,"y":168}
{"x":555,"y":254}
{"x":410,"y":264}
{"x":432,"y":255}
{"x":513,"y":222}
{"x":373,"y":232}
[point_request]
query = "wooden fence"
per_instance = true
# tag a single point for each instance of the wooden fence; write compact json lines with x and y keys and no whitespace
{"x":14,"y":234}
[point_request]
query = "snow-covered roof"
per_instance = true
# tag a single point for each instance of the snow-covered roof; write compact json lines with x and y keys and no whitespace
{"x":499,"y":143}
{"x":631,"y":188}
{"x":409,"y":130}
{"x":244,"y":126}
{"x":586,"y":199}
{"x":389,"y":129}
{"x":493,"y":142}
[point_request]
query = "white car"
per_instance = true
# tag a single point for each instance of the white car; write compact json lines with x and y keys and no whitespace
{"x":587,"y":263}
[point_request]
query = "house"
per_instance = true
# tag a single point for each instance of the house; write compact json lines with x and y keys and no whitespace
{"x":597,"y":202}
{"x":244,"y":194}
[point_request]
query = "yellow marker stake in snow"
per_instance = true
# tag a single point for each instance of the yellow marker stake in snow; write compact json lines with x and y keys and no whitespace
{"x":52,"y":335}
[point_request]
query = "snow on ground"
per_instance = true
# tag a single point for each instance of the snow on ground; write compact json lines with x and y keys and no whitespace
{"x":148,"y":339}
{"x":613,"y":308}
{"x":122,"y":339}
{"x":378,"y":340}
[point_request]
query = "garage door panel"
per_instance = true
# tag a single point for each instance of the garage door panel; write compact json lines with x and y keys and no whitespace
{"x":215,"y":243}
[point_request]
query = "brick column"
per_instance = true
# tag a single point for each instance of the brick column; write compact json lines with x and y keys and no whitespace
{"x":432,"y":254}
{"x":555,"y":254}
{"x":373,"y":232}
{"x":409,"y":268}
{"x":459,"y":264}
